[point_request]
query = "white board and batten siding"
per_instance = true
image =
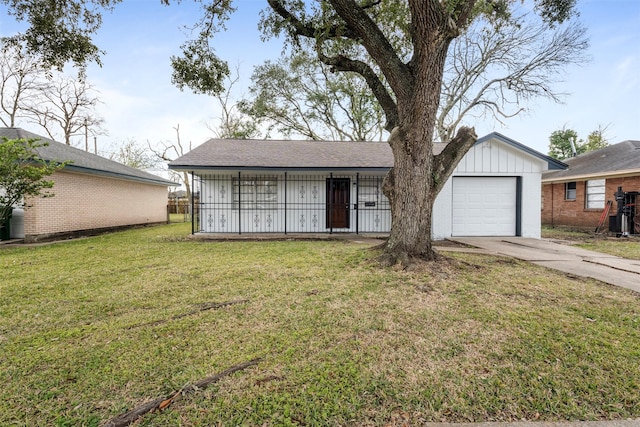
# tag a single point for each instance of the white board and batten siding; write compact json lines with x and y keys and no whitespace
{"x":481,"y":196}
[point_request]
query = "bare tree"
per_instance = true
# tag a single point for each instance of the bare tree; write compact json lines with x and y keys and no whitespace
{"x":493,"y":70}
{"x":67,"y":108}
{"x":172,"y":150}
{"x":233,"y":122}
{"x":134,"y":155}
{"x":298,"y":96}
{"x":21,"y":83}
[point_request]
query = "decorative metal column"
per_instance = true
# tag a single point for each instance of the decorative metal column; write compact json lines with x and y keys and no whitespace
{"x":355,"y":205}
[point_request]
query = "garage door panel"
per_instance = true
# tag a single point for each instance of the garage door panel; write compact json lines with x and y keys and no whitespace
{"x":484,"y":206}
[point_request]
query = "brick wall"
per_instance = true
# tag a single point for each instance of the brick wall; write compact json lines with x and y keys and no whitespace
{"x":572,"y":213}
{"x":86,"y":202}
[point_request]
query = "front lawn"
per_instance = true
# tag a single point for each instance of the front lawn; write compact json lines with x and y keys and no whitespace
{"x":93,"y":328}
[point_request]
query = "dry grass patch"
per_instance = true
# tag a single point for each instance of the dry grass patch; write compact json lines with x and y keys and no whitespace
{"x":342,"y":341}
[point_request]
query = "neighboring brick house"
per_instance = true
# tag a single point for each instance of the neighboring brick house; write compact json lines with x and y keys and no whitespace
{"x":92,"y":194}
{"x":577,"y":196}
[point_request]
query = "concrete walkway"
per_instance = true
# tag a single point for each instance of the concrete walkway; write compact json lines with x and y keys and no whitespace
{"x":569,"y":259}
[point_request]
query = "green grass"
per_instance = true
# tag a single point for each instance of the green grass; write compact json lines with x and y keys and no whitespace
{"x":626,"y":247}
{"x":343,"y":342}
{"x":179,"y":217}
{"x":622,"y":247}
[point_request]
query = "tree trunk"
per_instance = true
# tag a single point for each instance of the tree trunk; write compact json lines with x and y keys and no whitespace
{"x":410,"y":106}
{"x":409,"y":187}
{"x":412,"y":187}
{"x":417,"y":176}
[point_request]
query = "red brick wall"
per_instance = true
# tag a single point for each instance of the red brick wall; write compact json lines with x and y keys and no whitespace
{"x":87,"y":202}
{"x":572,"y":213}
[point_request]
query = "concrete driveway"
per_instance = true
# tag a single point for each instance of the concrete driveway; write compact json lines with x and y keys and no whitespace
{"x":569,"y":259}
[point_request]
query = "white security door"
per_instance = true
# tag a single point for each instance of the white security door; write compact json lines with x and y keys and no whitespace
{"x":484,"y":206}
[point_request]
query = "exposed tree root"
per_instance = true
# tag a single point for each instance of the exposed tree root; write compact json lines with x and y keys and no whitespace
{"x":163,"y":402}
{"x":203,"y":307}
{"x":406,"y":261}
{"x":378,"y":247}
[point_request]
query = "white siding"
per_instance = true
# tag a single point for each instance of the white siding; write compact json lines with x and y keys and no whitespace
{"x":441,"y":222}
{"x":495,"y":159}
{"x":303,"y":195}
{"x":531,"y":205}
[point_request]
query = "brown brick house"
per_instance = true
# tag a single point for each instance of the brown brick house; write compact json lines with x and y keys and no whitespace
{"x":577,"y":196}
{"x":92,"y":194}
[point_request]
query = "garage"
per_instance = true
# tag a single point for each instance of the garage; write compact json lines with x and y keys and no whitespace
{"x":485,"y":206}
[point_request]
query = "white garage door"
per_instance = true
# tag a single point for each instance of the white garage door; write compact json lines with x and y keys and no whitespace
{"x":484,"y":206}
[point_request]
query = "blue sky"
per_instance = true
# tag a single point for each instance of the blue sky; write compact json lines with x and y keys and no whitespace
{"x":140,"y":102}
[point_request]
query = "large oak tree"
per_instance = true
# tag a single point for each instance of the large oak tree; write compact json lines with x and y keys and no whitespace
{"x":399,"y":48}
{"x":410,"y":54}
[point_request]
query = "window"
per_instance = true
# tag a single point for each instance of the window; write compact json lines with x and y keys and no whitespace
{"x":255,"y":193}
{"x":570,"y":191}
{"x":595,"y":194}
{"x":369,"y":191}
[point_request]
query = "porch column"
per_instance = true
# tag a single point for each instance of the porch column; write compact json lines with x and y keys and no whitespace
{"x":330,"y":194}
{"x":356,"y":203}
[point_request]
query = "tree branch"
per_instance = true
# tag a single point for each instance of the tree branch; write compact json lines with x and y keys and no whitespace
{"x":342,"y":63}
{"x":396,"y":72}
{"x":445,"y":162}
{"x":307,"y":30}
{"x":362,"y":29}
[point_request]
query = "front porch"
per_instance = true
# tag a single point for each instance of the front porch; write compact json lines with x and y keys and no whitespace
{"x":291,"y":203}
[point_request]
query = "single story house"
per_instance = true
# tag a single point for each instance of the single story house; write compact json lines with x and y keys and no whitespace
{"x":275,"y":186}
{"x":578,"y":196}
{"x":91,"y":194}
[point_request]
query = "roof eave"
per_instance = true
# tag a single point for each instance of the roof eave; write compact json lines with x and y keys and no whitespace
{"x":595,"y":175}
{"x":90,"y":171}
{"x":200,"y":168}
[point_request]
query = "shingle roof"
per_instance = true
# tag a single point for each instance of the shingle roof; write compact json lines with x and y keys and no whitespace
{"x":285,"y":154}
{"x":310,"y":155}
{"x":82,"y":161}
{"x":614,"y":160}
